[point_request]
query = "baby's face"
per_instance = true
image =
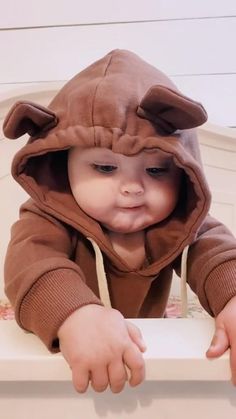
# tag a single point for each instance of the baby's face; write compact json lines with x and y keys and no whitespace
{"x":124,"y":193}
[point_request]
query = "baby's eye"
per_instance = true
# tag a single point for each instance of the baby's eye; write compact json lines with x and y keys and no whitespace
{"x":104,"y":168}
{"x":156,"y":171}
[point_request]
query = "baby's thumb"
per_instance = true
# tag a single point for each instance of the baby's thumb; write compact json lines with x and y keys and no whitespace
{"x":136,"y":336}
{"x":219,"y":343}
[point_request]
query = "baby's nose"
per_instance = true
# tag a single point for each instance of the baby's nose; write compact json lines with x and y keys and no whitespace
{"x":132,"y":188}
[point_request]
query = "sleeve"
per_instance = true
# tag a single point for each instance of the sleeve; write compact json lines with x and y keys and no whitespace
{"x":211,"y":266}
{"x":41,"y":281}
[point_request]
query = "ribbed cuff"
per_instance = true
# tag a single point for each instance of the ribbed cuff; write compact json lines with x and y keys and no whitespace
{"x":53,"y":298}
{"x":221,"y":286}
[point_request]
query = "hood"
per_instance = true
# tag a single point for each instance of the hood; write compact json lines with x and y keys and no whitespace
{"x":125,"y":104}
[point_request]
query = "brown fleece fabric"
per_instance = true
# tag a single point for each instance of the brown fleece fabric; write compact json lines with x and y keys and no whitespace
{"x":122,"y":103}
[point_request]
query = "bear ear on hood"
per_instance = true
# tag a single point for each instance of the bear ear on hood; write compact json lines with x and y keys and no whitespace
{"x":28,"y":117}
{"x":170,"y":110}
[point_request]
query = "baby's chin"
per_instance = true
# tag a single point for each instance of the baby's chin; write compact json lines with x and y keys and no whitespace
{"x":126,"y":228}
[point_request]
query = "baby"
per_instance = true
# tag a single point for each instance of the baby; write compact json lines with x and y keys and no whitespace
{"x":117,"y":192}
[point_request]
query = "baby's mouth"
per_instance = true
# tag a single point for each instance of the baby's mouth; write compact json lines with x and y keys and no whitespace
{"x":132,"y":207}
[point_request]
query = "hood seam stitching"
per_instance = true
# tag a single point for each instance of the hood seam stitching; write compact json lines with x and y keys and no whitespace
{"x":94,"y":97}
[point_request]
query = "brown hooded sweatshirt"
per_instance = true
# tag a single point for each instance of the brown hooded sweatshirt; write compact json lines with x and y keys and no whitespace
{"x":122,"y":103}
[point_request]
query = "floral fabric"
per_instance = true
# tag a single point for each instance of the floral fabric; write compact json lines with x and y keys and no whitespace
{"x":173,"y":309}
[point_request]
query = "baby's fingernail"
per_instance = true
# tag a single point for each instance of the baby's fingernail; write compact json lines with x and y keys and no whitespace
{"x":143,"y":345}
{"x":213,"y":342}
{"x":211,"y":349}
{"x":212,"y":346}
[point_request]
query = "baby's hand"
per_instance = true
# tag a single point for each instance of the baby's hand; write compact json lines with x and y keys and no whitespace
{"x":99,"y":346}
{"x":225,"y":336}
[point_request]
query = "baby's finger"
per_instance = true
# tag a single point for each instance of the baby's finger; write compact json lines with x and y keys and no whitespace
{"x":136,"y":336}
{"x":219,"y":343}
{"x":117,"y":376}
{"x":80,"y":378}
{"x":99,"y":379}
{"x":135,"y":362}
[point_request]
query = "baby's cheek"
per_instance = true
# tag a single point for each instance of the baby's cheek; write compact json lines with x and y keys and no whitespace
{"x":162,"y":202}
{"x":82,"y":196}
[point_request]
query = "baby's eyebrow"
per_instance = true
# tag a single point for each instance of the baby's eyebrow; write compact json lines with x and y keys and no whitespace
{"x":100,"y":156}
{"x":156,"y":151}
{"x":104,"y":161}
{"x":159,"y":157}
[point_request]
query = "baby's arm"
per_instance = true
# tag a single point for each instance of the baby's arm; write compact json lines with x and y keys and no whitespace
{"x":102,"y":347}
{"x":225,"y":336}
{"x":42,"y":282}
{"x":211,"y":273}
{"x":45,"y":286}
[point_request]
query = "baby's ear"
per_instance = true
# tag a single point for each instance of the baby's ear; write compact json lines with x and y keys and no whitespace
{"x":28,"y":117}
{"x":170,"y":110}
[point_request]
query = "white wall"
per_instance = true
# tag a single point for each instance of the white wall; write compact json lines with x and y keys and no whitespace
{"x":192,"y":41}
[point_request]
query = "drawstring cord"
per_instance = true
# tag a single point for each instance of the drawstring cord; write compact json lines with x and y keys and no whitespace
{"x":101,"y":275}
{"x":183,"y":283}
{"x":103,"y":287}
